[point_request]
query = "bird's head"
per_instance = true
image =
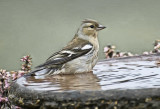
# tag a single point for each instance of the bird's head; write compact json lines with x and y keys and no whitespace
{"x":89,"y":28}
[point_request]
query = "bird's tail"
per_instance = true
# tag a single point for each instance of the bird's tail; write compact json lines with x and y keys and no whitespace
{"x":40,"y":71}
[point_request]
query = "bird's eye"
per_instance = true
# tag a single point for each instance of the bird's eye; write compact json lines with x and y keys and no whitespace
{"x":92,"y":26}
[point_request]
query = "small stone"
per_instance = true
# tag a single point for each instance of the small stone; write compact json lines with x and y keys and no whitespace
{"x":37,"y":101}
{"x":116,"y":102}
{"x":102,"y":101}
{"x":148,"y":99}
{"x":96,"y":107}
{"x":115,"y":107}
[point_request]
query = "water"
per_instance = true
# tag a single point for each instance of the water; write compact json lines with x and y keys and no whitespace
{"x":129,"y":75}
{"x":136,"y":73}
{"x":40,"y":28}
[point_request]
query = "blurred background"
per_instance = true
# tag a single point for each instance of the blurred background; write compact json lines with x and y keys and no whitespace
{"x":42,"y":27}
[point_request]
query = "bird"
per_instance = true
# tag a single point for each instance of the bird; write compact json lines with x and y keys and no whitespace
{"x":78,"y":56}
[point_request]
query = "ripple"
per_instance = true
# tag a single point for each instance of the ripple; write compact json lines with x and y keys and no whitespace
{"x":120,"y":75}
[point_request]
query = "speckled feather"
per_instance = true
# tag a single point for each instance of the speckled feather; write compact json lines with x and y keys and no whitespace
{"x":60,"y":58}
{"x":80,"y":55}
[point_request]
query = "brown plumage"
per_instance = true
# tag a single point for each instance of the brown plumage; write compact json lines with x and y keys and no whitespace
{"x":80,"y":55}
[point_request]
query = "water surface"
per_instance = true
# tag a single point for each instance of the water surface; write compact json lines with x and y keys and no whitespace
{"x":108,"y":74}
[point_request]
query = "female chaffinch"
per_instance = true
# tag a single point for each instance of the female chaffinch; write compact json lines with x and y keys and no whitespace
{"x":79,"y":56}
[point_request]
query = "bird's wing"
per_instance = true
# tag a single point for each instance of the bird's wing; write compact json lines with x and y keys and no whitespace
{"x":76,"y":48}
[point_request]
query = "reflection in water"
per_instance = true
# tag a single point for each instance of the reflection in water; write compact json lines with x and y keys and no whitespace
{"x":106,"y":75}
{"x":87,"y":81}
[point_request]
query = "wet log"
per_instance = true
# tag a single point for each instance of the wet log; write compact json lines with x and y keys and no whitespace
{"x":117,"y":83}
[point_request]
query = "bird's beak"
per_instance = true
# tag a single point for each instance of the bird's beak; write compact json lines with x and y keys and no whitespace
{"x":100,"y":27}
